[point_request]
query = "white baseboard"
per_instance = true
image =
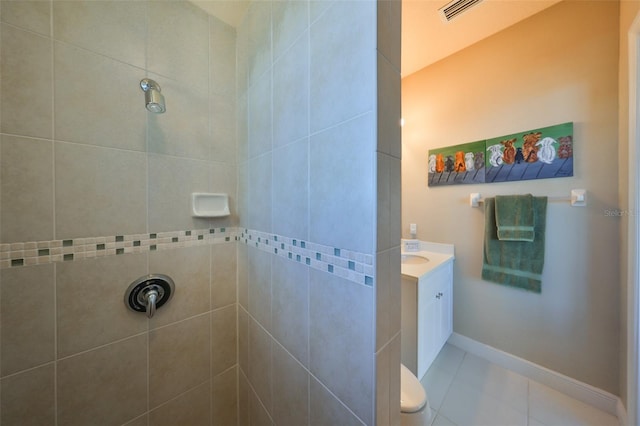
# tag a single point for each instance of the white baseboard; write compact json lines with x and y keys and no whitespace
{"x":621,"y":412}
{"x":584,"y":392}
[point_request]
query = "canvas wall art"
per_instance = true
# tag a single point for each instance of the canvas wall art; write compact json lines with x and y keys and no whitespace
{"x":533,"y":154}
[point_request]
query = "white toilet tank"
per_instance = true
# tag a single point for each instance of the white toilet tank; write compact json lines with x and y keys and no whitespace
{"x":414,"y":405}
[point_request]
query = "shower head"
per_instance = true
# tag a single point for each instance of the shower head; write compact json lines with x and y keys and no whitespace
{"x":153,"y":99}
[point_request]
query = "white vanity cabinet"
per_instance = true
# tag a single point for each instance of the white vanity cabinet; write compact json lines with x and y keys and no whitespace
{"x":427,"y":315}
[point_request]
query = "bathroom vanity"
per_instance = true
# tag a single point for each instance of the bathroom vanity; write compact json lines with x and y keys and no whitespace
{"x":427,"y":308}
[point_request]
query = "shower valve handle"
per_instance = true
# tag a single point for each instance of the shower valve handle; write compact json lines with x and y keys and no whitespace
{"x":151,"y":297}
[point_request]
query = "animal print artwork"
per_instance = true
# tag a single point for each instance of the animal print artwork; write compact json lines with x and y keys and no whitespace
{"x":533,"y":154}
{"x":529,"y":148}
{"x":509,"y":153}
{"x":565,"y":150}
{"x":459,"y":165}
{"x":456,"y":165}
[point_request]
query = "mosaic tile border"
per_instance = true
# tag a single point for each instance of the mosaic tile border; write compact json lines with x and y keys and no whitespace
{"x":350,"y":265}
{"x":42,"y":252}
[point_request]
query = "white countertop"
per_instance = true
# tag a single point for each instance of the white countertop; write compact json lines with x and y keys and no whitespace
{"x":438,"y":254}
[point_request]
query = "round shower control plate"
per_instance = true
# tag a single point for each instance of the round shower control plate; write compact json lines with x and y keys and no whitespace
{"x":135,"y":296}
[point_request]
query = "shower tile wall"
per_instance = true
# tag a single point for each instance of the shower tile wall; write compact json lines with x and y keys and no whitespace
{"x":81,"y":159}
{"x":311,"y":148}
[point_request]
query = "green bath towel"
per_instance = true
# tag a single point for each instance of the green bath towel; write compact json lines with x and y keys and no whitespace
{"x":514,"y":217}
{"x":514,"y":263}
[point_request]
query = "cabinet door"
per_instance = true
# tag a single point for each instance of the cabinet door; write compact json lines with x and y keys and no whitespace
{"x":435,"y":321}
{"x":428,"y":334}
{"x":445,"y":311}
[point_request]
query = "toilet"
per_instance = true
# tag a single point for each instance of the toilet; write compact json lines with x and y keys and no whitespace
{"x":414,"y":405}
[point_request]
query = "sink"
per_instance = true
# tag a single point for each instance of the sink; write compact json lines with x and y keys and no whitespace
{"x":413,"y":259}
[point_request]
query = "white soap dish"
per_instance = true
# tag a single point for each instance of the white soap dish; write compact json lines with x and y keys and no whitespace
{"x":209,"y":205}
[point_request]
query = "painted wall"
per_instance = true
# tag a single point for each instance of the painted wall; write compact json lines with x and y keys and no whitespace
{"x":560,"y":65}
{"x":93,"y":192}
{"x":309,"y":159}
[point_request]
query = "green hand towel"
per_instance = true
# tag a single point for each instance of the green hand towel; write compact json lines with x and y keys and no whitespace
{"x":514,"y":217}
{"x":515,"y":263}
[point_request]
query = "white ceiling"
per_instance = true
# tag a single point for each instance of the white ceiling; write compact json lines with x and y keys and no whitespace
{"x":426,"y":38}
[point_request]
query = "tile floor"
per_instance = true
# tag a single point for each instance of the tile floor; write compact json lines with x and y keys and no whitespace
{"x":465,"y":390}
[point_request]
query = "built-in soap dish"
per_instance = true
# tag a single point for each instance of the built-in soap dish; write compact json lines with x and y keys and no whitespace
{"x":209,"y":205}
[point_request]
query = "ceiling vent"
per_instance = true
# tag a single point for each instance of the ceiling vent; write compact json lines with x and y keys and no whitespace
{"x":455,"y":8}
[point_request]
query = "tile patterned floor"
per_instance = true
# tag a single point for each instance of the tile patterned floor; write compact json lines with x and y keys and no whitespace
{"x":465,"y":390}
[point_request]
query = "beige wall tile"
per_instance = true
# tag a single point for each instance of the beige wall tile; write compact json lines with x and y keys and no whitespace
{"x":98,"y":100}
{"x":334,"y":302}
{"x":290,"y":307}
{"x":31,"y":15}
{"x":342,"y":205}
{"x":27,"y":317}
{"x":27,"y":97}
{"x":290,"y":389}
{"x":223,"y":178}
{"x":242,"y":131}
{"x":290,"y":20}
{"x":109,"y":383}
{"x":179,"y":357}
{"x":389,"y":30}
{"x":222,"y":54}
{"x":260,"y":362}
{"x":110,"y":28}
{"x":192,"y":408}
{"x":259,"y":201}
{"x":90,"y":297}
{"x":243,"y":400}
{"x":260,"y":286}
{"x":189,"y":269}
{"x":325,"y":409}
{"x":223,"y":128}
{"x":99,"y":191}
{"x":224,"y":339}
{"x":225,"y":400}
{"x":28,"y":398}
{"x":171,"y":182}
{"x":388,"y":296}
{"x":259,"y":48}
{"x":260,"y":119}
{"x":258,"y":414}
{"x":243,"y":194}
{"x":223,"y":275}
{"x":383,"y":298}
{"x":341,"y":89}
{"x":291,"y":90}
{"x":102,"y":186}
{"x":243,"y":340}
{"x":382,"y":387}
{"x":178,"y":42}
{"x":243,"y":275}
{"x":394,"y":380}
{"x":290,"y":203}
{"x":183,"y":130}
{"x":27,"y":189}
{"x":389,"y":106}
{"x":140,"y":421}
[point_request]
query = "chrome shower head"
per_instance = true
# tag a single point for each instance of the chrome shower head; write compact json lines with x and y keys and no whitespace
{"x":153,"y":99}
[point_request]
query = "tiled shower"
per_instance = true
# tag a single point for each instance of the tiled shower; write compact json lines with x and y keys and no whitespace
{"x":284,"y":312}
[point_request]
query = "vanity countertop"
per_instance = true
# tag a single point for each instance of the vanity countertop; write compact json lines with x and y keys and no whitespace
{"x":438,"y":255}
